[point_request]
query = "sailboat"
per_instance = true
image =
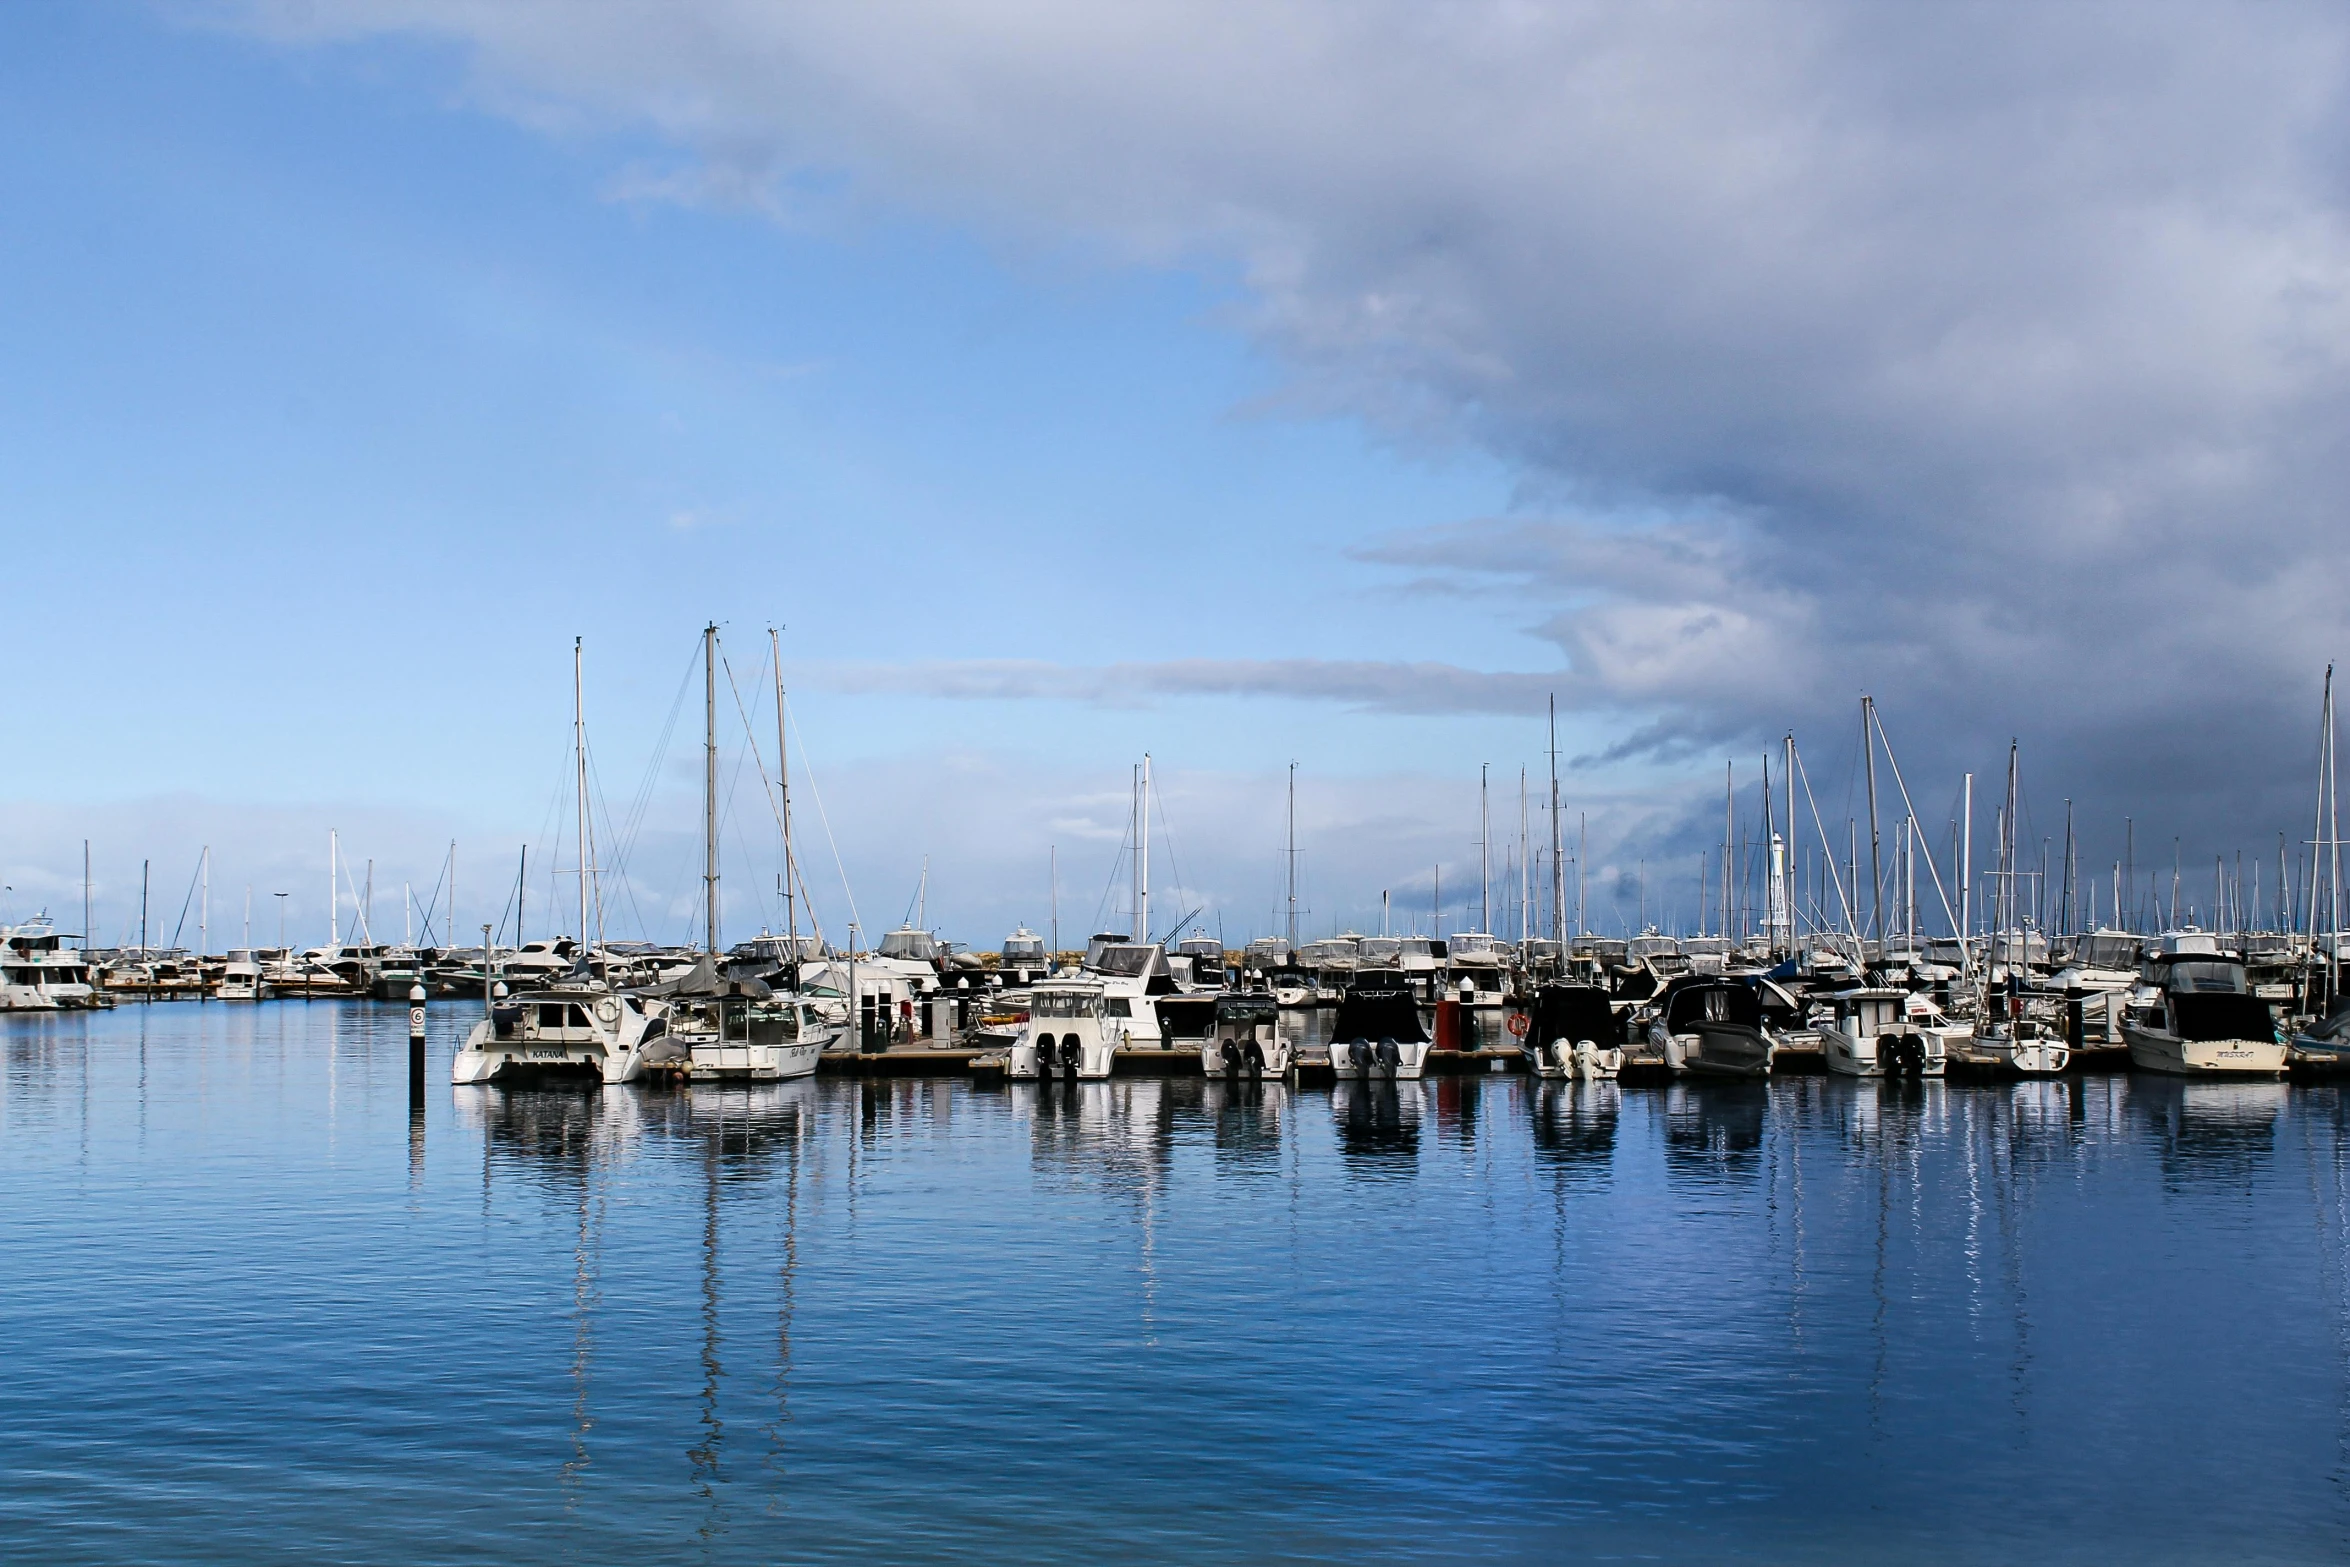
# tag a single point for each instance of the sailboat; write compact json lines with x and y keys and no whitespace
{"x":2018,"y":1027}
{"x":575,"y":1026}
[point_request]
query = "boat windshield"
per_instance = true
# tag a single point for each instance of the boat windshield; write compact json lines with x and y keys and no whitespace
{"x":2107,"y":952}
{"x":2206,"y":976}
{"x":1127,"y":962}
{"x":1065,"y":1003}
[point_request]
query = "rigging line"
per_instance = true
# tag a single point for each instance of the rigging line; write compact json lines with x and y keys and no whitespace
{"x":184,"y":902}
{"x":427,"y":909}
{"x":791,"y":869}
{"x":651,"y":780}
{"x":620,"y":869}
{"x":846,"y":890}
{"x":1827,"y":850}
{"x":1913,"y":811}
{"x":1174,"y":871}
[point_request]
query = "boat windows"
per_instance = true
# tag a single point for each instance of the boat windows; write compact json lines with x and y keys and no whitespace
{"x":2206,"y":977}
{"x":1118,"y":1006}
{"x":1127,"y":962}
{"x":1066,"y":1003}
{"x":560,"y":1014}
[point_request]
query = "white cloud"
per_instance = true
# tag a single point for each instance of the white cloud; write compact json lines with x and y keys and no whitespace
{"x":1991,"y":357}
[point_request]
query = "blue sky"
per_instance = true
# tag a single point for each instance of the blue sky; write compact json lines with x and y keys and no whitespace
{"x":336,"y":408}
{"x":1240,"y":383}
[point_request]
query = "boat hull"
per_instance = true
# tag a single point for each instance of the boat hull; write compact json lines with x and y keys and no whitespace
{"x":2157,"y":1050}
{"x":754,"y":1063}
{"x":1849,"y":1056}
{"x":1403,"y":1059}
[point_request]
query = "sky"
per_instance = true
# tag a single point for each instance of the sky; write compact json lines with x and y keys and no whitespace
{"x":1239,"y":384}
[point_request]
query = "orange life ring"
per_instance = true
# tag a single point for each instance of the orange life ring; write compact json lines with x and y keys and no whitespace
{"x":1519,"y":1023}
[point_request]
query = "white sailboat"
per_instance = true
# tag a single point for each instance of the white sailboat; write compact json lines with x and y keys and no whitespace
{"x":578,"y":1026}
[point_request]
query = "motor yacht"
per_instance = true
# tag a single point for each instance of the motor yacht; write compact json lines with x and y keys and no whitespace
{"x":1866,"y":1031}
{"x":751,"y":1032}
{"x":38,"y":973}
{"x":1247,"y":1040}
{"x":1572,"y":1031}
{"x":2196,"y":1015}
{"x":568,"y":1030}
{"x":241,"y":978}
{"x":1713,"y":1027}
{"x":1378,"y":1033}
{"x":1069,"y":1032}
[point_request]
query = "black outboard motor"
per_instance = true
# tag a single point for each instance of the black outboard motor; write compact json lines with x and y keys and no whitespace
{"x":1388,"y":1056}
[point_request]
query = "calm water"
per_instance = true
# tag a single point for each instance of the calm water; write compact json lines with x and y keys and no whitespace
{"x":252,"y":1314}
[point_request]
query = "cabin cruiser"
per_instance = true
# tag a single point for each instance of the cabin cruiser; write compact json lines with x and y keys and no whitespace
{"x":1477,"y":970}
{"x":1023,"y":960}
{"x":1706,"y":954}
{"x":241,"y":978}
{"x":572,"y":1029}
{"x":38,"y":973}
{"x":398,"y":971}
{"x":749,"y":1031}
{"x":1069,"y":1032}
{"x":2024,"y":1031}
{"x":2196,"y":1016}
{"x":1247,"y":1039}
{"x":1206,"y":953}
{"x":1331,"y":963}
{"x":1712,"y":1026}
{"x":1572,"y":1031}
{"x":1377,"y":1033}
{"x":1132,"y":975}
{"x":1867,"y":1032}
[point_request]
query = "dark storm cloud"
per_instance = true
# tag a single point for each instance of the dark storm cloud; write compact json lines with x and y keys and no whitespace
{"x":1989,"y":358}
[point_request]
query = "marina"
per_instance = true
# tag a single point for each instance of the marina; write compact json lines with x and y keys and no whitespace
{"x":1479,"y":1315}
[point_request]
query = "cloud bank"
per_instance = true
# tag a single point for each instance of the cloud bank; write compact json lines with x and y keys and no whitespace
{"x":1990,"y":358}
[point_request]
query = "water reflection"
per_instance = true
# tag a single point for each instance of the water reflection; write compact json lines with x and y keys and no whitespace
{"x":1378,"y":1125}
{"x":1245,"y":1118}
{"x":1575,"y":1123}
{"x":1714,"y":1131}
{"x":2215,"y":1130}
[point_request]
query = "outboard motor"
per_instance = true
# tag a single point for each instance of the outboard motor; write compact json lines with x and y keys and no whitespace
{"x":1048,"y":1055}
{"x":1230,"y":1053}
{"x":1388,"y":1056}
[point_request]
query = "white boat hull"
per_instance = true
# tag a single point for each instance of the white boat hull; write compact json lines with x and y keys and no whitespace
{"x":756,"y":1063}
{"x":1850,"y":1056}
{"x":1272,"y":1060}
{"x":1366,"y":1058}
{"x":2157,"y":1050}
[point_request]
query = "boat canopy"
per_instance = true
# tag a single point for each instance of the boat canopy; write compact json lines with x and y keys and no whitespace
{"x":2204,"y":976}
{"x":907,"y":942}
{"x":1378,"y":1014}
{"x":1715,"y":1001}
{"x":1573,"y":1012}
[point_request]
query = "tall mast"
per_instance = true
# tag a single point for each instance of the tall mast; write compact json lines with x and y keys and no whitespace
{"x":2012,"y":864}
{"x":710,"y":784}
{"x":85,"y":895}
{"x":334,"y":905}
{"x":1142,"y":852}
{"x":1292,"y":857}
{"x":1558,"y":875}
{"x":1054,"y":852}
{"x":2065,"y":917}
{"x":1868,"y":745}
{"x":204,"y":914}
{"x":1790,"y":890}
{"x":1484,"y":847}
{"x":579,"y":750}
{"x":1525,"y":871}
{"x":1966,"y":877}
{"x":1729,"y":838}
{"x":791,"y":913}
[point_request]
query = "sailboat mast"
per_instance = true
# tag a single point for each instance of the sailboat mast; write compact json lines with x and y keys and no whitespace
{"x":1729,"y":837}
{"x":710,"y":784}
{"x":579,"y":751}
{"x":1484,"y":848}
{"x":1966,"y":877}
{"x":791,"y":913}
{"x":1525,"y":871}
{"x":204,"y":916}
{"x":334,"y":905}
{"x":1558,"y":874}
{"x":1142,"y":852}
{"x":1291,"y":857}
{"x":1868,"y":745}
